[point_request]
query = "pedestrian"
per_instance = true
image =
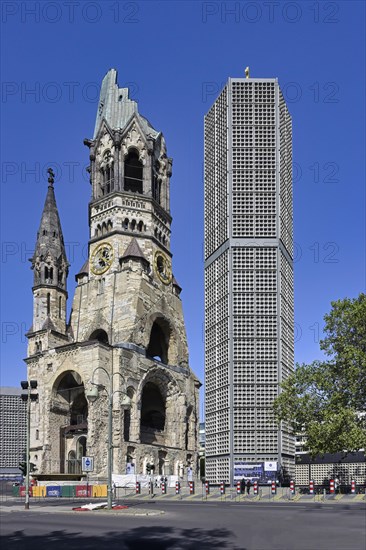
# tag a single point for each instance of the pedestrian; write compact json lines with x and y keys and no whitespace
{"x":249,"y":484}
{"x":242,"y":486}
{"x":336,"y":484}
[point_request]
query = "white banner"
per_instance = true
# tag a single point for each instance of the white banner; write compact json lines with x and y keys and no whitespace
{"x":124,"y":480}
{"x":270,"y":466}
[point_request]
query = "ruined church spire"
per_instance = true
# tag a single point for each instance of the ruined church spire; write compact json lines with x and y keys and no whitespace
{"x":49,"y":261}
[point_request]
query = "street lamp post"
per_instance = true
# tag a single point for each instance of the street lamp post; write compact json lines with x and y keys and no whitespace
{"x":28,"y":396}
{"x":92,"y":394}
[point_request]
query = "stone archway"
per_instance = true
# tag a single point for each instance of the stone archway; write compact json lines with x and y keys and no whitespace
{"x":153,"y":414}
{"x":69,"y":417}
{"x":159,"y":401}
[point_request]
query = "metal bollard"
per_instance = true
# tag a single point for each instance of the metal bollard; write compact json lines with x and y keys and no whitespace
{"x":163,"y":488}
{"x":255,"y":488}
{"x":238,"y":488}
{"x":191,"y":487}
{"x":331,"y":486}
{"x":222,"y":487}
{"x":207,"y":487}
{"x":311,"y":487}
{"x":292,"y":487}
{"x":353,"y":487}
{"x":138,"y":487}
{"x":273,"y":488}
{"x":177,"y":487}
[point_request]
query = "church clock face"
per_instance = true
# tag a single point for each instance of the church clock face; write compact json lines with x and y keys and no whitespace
{"x":163,"y":267}
{"x":102,"y":258}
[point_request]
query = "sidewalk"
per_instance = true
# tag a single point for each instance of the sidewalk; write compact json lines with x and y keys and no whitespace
{"x":135,"y":501}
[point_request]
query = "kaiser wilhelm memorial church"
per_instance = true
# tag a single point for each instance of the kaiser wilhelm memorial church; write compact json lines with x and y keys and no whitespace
{"x":124,"y":342}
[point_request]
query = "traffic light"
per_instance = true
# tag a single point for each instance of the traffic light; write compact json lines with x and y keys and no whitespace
{"x":23,"y":467}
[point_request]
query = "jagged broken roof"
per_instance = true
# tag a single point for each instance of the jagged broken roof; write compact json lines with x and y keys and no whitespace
{"x":116,"y":108}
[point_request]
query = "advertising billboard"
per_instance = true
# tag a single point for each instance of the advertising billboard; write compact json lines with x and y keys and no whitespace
{"x":263,"y":472}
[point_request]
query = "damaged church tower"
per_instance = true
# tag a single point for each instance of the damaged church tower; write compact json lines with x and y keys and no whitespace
{"x":126,"y":333}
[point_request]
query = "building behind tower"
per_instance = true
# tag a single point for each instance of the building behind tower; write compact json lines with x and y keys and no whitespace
{"x":249,"y":303}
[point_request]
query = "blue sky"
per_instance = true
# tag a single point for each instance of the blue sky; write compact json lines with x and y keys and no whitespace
{"x":175,"y":56}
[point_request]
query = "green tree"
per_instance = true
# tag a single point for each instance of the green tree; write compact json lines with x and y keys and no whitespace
{"x":327,"y":399}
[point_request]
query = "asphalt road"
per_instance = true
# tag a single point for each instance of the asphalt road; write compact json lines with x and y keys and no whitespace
{"x":191,"y":526}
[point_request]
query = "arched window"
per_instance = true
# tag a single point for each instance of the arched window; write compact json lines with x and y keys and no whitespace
{"x":152,"y":408}
{"x":71,"y":462}
{"x":81,"y":447}
{"x":155,"y":190}
{"x":125,"y":223}
{"x":60,"y":307}
{"x":126,"y":425}
{"x":159,"y":341}
{"x":99,"y":335}
{"x":133,"y":172}
{"x":48,"y":303}
{"x":133,"y":225}
{"x":140,"y":226}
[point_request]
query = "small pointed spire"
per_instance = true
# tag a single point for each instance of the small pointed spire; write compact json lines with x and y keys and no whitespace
{"x":49,"y":260}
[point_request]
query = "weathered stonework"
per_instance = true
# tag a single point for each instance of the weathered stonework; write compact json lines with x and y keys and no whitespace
{"x":126,"y":326}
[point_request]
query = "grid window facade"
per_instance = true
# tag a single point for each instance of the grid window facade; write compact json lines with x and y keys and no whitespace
{"x":12,"y":427}
{"x":249,"y":320}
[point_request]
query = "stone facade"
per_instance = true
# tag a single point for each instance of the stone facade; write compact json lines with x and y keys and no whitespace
{"x":126,"y":332}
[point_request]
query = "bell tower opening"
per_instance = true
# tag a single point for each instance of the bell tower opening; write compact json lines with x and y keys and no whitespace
{"x":159,"y":341}
{"x":99,"y":335}
{"x":133,"y":172}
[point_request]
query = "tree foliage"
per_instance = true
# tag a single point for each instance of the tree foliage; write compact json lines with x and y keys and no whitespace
{"x":327,"y":399}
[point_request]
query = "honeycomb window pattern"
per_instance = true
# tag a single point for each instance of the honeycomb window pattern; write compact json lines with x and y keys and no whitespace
{"x":250,"y":132}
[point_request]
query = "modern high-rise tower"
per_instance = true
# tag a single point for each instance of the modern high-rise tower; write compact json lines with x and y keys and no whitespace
{"x":249,"y":309}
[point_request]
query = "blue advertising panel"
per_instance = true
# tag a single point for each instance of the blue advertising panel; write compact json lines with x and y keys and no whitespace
{"x":251,"y":470}
{"x":53,"y":491}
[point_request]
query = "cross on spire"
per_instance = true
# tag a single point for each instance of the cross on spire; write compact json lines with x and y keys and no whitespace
{"x":51,"y":177}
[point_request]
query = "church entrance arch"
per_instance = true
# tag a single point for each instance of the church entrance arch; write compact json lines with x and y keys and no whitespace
{"x":69,"y":414}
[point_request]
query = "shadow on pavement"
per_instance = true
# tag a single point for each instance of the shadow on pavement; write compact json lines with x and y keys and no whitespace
{"x":152,"y":538}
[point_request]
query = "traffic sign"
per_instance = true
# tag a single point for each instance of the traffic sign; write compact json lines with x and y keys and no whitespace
{"x":88,"y":464}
